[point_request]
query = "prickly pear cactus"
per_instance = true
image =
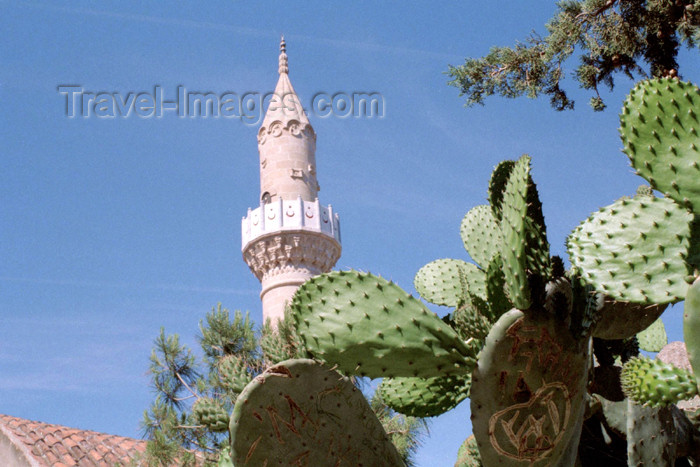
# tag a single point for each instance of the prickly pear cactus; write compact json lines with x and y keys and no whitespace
{"x":469,"y":320}
{"x":468,"y":454}
{"x":515,"y":230}
{"x":448,"y":281}
{"x":225,"y":458}
{"x":527,"y":395}
{"x":651,"y":436}
{"x":691,"y":327}
{"x":497,"y":186}
{"x":300,"y":412}
{"x":634,"y":250}
{"x":621,"y":320}
{"x":481,"y":235}
{"x":424,"y":397}
{"x":369,"y":326}
{"x":210,"y":413}
{"x":660,"y":129}
{"x":653,"y":338}
{"x":655,"y":383}
{"x":233,"y":373}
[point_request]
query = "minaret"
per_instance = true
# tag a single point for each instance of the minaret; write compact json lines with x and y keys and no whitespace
{"x":290,"y":237}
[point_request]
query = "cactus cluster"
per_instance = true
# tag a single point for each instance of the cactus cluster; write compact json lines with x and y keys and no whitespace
{"x":520,"y":336}
{"x":643,"y":251}
{"x":211,"y":414}
{"x":234,"y":374}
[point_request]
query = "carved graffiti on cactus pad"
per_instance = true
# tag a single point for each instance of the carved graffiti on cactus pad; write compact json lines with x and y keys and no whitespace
{"x":291,"y":423}
{"x":536,"y":346}
{"x":529,"y":431}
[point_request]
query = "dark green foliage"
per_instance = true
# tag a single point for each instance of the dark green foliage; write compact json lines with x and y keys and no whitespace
{"x":221,"y":336}
{"x":627,"y":37}
{"x":193,"y":397}
{"x":405,"y":432}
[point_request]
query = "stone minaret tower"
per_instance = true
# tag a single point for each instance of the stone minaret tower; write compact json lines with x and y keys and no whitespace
{"x":290,"y":237}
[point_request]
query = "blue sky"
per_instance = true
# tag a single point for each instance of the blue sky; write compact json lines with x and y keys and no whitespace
{"x":112,"y":228}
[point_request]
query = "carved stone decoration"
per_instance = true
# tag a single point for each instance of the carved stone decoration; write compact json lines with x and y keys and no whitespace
{"x":272,"y":254}
{"x":293,"y":127}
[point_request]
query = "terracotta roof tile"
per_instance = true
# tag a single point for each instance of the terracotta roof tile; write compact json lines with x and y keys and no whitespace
{"x":56,"y":445}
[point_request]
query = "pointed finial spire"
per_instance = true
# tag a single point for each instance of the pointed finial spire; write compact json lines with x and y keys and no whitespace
{"x":284,"y":68}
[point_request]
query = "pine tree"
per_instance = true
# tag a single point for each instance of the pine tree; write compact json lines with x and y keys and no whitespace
{"x":187,"y":422}
{"x":637,"y":38}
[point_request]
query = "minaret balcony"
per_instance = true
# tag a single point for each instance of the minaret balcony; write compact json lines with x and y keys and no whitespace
{"x":289,"y":215}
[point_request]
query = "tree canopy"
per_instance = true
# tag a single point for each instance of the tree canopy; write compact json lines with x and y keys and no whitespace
{"x":636,"y":38}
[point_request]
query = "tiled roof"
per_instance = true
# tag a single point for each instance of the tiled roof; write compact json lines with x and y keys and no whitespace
{"x":59,"y":446}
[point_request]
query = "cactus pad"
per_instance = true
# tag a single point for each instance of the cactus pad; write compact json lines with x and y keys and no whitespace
{"x":233,"y":373}
{"x":447,"y":281}
{"x":651,"y":436}
{"x":210,"y":413}
{"x":424,"y":397}
{"x":660,"y":130}
{"x":653,"y":338}
{"x":495,"y":289}
{"x":528,"y":390}
{"x":371,"y":327}
{"x":513,"y":226}
{"x":300,"y":412}
{"x":620,"y":320}
{"x":481,"y":235}
{"x":634,"y":250}
{"x":497,"y":186}
{"x":691,"y":327}
{"x":469,"y":321}
{"x":274,"y":348}
{"x":468,"y":454}
{"x":655,"y":383}
{"x":615,"y":413}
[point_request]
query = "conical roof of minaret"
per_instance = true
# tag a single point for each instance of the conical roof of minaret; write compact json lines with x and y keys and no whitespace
{"x":285,"y":105}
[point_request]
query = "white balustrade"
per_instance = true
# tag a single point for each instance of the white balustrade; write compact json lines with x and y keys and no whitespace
{"x":297,"y":214}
